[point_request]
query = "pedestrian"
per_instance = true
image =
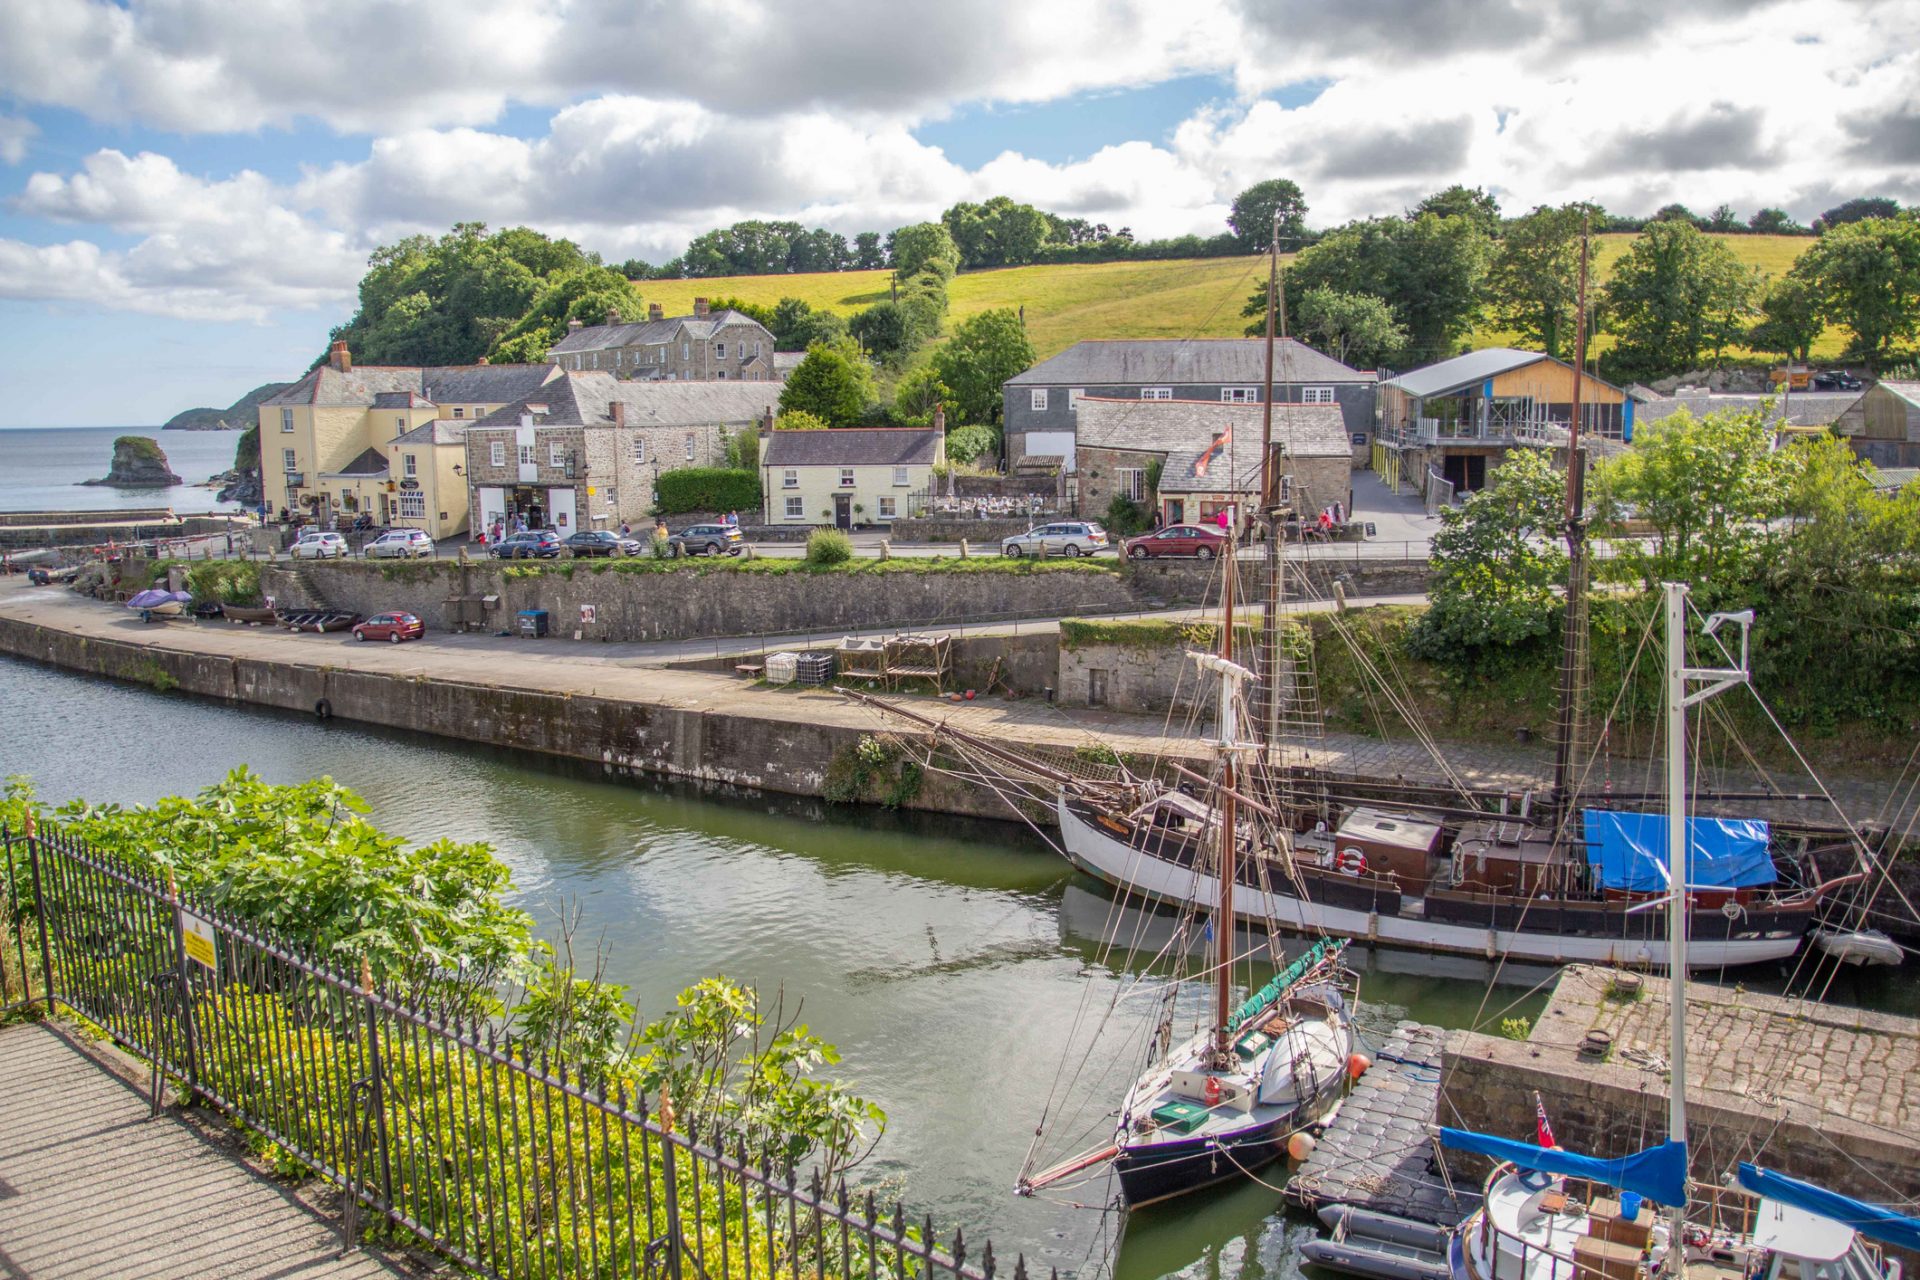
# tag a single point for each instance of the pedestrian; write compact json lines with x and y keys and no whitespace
{"x":626,"y":530}
{"x":733,"y":519}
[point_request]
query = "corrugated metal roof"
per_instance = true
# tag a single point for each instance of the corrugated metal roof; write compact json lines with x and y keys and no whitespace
{"x":1468,"y":370}
{"x":1801,"y":409}
{"x":853,"y":447}
{"x":1125,"y":362}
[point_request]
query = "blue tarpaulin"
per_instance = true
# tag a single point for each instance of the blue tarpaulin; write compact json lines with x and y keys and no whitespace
{"x":1630,"y":850}
{"x":1658,"y":1173}
{"x":1874,"y":1221}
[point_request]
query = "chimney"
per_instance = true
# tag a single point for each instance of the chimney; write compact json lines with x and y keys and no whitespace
{"x":619,"y":413}
{"x":339,"y":357}
{"x":766,"y":423}
{"x":575,"y":326}
{"x":699,"y":306}
{"x":656,"y":312}
{"x":940,"y":418}
{"x":613,"y":315}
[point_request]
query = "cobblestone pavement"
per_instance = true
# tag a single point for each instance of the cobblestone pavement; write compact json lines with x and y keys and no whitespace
{"x":91,"y":1189}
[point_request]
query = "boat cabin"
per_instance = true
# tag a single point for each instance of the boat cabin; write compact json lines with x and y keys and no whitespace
{"x":1386,"y":842}
{"x":1513,"y":856}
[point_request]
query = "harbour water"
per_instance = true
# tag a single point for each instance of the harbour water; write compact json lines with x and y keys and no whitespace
{"x":44,"y":468}
{"x":955,"y":966}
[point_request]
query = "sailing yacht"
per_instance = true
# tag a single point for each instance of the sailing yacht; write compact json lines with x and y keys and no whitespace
{"x":1550,"y":1214}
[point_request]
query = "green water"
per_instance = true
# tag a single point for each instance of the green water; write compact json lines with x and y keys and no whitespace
{"x":956,"y":965}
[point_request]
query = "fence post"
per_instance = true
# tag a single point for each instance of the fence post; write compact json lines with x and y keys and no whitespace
{"x":180,"y":963}
{"x":13,"y":905}
{"x":40,"y":910}
{"x":671,"y":1197}
{"x":376,"y":1086}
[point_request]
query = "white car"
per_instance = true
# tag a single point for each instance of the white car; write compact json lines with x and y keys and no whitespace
{"x":319,"y":546}
{"x":1067,"y":537}
{"x":400,"y":543}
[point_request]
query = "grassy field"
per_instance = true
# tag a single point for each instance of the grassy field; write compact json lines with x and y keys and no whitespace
{"x":1184,"y":298}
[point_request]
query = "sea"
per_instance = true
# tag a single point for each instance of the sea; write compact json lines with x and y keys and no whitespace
{"x":41,"y":469}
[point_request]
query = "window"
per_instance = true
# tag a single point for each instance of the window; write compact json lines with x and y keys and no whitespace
{"x":289,"y":461}
{"x":888,"y":508}
{"x":690,"y":440}
{"x":1039,"y":398}
{"x":900,"y":477}
{"x":498,"y":456}
{"x":789,"y":479}
{"x":720,"y":373}
{"x":412,"y":465}
{"x":556,"y":456}
{"x":686,"y":351}
{"x":1073,"y":399}
{"x":846,"y":477}
{"x":1316,"y":395}
{"x":639,"y":451}
{"x":413,"y":506}
{"x":1156,"y":393}
{"x":719,"y":351}
{"x":459,"y":412}
{"x":1133,"y":483}
{"x":286,"y":419}
{"x":399,"y":425}
{"x":1239,"y":395}
{"x":756,"y":349}
{"x":796,"y":508}
{"x":526,"y":455}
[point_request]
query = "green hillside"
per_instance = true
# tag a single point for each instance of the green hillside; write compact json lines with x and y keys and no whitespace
{"x":1193,"y":297}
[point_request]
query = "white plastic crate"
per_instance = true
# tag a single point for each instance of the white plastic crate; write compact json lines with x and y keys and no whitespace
{"x":782,"y":667}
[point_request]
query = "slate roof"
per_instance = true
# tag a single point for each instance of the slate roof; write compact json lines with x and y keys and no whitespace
{"x":438,"y":431}
{"x":785,"y":362}
{"x":1802,"y":408}
{"x":400,"y":400}
{"x":444,"y":384}
{"x":1189,"y":426}
{"x":854,"y":447}
{"x":1468,"y":370}
{"x":1120,"y":362}
{"x":1895,"y":477}
{"x":600,"y":337}
{"x":585,"y":398}
{"x":371,"y":462}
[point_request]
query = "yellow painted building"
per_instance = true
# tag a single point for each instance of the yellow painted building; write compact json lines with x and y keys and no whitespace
{"x":846,"y":476}
{"x":331,"y":444}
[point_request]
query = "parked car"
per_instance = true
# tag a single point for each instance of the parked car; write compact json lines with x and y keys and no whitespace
{"x":601,"y":542}
{"x":706,"y":539}
{"x":1178,"y":540}
{"x":1837,"y":380}
{"x":319,"y":546}
{"x":390,"y":626}
{"x":1067,"y":538}
{"x":401,"y":544}
{"x":543,"y":543}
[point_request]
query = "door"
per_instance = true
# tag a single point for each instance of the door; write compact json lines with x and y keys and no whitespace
{"x":843,"y":510}
{"x":493,"y":509}
{"x":560,"y":510}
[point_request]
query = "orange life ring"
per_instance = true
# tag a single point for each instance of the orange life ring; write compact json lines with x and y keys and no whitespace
{"x":1350,"y":862}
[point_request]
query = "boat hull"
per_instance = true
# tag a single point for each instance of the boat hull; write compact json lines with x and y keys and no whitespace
{"x":1158,"y":1171}
{"x":1113,"y":860}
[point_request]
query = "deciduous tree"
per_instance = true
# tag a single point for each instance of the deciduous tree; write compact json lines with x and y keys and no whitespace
{"x":1354,"y":328}
{"x":1868,"y":277}
{"x":1677,"y":296}
{"x":1534,"y":282}
{"x":1252,"y":214}
{"x":924,"y":246}
{"x":833,"y":383}
{"x":1790,"y":320}
{"x":1430,"y":270}
{"x":1472,"y":203}
{"x":983,"y":353}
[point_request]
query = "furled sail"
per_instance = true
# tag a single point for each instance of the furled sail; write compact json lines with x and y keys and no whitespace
{"x":1872,"y":1220}
{"x":1658,"y":1173}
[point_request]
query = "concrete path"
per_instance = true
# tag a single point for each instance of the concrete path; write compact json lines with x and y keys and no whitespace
{"x":91,"y":1189}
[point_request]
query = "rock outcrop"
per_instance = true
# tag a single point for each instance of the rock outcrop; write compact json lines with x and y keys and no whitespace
{"x":244,"y":485}
{"x":138,"y":463}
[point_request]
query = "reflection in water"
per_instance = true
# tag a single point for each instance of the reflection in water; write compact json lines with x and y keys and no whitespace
{"x":954,"y":963}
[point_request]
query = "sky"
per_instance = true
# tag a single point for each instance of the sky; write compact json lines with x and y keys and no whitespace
{"x":189,"y":189}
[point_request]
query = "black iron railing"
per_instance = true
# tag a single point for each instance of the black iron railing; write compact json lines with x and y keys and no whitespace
{"x":445,"y":1130}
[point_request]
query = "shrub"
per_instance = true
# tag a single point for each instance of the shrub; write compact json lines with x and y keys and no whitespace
{"x":799,"y":420}
{"x":225,"y":581}
{"x":828,"y":546}
{"x":1124,"y":517}
{"x":964,"y":444}
{"x":708,"y":489}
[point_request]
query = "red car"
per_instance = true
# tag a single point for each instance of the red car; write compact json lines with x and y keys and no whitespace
{"x":390,"y":626}
{"x":1178,"y":540}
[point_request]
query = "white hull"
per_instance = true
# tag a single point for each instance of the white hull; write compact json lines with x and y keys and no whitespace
{"x":1099,"y":854}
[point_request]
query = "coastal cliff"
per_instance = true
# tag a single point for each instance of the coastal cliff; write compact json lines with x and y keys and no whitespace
{"x":138,"y":463}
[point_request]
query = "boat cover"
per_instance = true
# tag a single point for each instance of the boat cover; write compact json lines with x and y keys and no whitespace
{"x":1265,"y":996}
{"x":1872,"y":1220}
{"x":1658,"y":1173}
{"x":1630,"y":851}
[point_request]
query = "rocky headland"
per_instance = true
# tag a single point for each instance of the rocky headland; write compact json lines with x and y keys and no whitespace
{"x":138,"y":463}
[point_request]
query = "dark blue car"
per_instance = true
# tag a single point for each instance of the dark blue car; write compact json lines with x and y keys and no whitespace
{"x":542,"y":543}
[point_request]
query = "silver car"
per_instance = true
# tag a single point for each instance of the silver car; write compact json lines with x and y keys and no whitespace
{"x":1064,"y":537}
{"x":318,"y":546}
{"x":400,"y":544}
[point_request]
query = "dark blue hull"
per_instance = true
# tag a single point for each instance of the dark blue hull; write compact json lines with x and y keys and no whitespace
{"x":1162,"y":1170}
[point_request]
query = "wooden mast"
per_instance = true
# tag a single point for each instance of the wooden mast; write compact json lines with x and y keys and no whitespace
{"x":1267,"y":664}
{"x":1573,"y":652}
{"x":1229,"y":822}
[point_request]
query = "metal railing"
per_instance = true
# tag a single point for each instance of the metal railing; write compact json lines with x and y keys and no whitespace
{"x":437,"y":1127}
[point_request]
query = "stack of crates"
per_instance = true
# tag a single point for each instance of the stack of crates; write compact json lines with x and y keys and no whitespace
{"x":781,"y":667}
{"x":815,"y":668}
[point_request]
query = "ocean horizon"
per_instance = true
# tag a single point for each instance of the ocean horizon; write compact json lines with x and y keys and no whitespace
{"x":41,"y":469}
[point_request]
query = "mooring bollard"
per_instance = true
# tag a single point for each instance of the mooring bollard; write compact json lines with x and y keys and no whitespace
{"x":963,"y":548}
{"x":886,"y":549}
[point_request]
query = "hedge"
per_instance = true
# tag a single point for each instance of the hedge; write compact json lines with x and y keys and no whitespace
{"x":708,"y":489}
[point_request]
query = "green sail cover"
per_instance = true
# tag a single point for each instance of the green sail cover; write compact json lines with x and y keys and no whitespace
{"x":1299,"y":969}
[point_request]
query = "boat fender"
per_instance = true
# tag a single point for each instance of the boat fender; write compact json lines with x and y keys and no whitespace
{"x":323,"y":709}
{"x":1357,"y":1064}
{"x":1300,"y":1145}
{"x":1212,"y":1091}
{"x":1350,"y":862}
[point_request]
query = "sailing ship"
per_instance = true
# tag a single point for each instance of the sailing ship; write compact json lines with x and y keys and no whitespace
{"x":1551,"y":1214}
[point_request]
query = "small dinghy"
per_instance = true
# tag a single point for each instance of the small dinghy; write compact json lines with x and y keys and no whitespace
{"x":156,"y":602}
{"x":318,"y":620}
{"x":1858,"y":946}
{"x":1382,"y":1246}
{"x":239,"y":614}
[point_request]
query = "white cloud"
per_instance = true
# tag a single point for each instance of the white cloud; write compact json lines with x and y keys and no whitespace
{"x":15,"y":133}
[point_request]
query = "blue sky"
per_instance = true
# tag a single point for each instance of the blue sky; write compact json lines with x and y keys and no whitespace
{"x":189,"y":188}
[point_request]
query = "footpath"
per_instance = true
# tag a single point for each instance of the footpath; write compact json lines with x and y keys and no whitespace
{"x":92,"y":1189}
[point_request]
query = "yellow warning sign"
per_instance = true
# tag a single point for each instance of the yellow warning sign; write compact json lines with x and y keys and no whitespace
{"x":196,"y":935}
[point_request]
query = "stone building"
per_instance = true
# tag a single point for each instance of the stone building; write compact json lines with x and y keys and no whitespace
{"x":1208,"y":455}
{"x":719,"y":346}
{"x":586,"y":451}
{"x":326,"y":442}
{"x":1041,"y":405}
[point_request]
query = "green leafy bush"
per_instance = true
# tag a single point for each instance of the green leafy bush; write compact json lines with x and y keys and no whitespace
{"x":828,"y":546}
{"x":964,"y":444}
{"x":708,"y":489}
{"x":225,"y":581}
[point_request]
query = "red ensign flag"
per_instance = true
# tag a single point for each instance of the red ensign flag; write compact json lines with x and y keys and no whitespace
{"x":1543,"y":1131}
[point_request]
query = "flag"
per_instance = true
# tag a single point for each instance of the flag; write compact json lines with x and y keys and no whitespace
{"x":1543,"y":1132}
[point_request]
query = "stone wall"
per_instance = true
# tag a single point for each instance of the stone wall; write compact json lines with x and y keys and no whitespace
{"x":977,"y":532}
